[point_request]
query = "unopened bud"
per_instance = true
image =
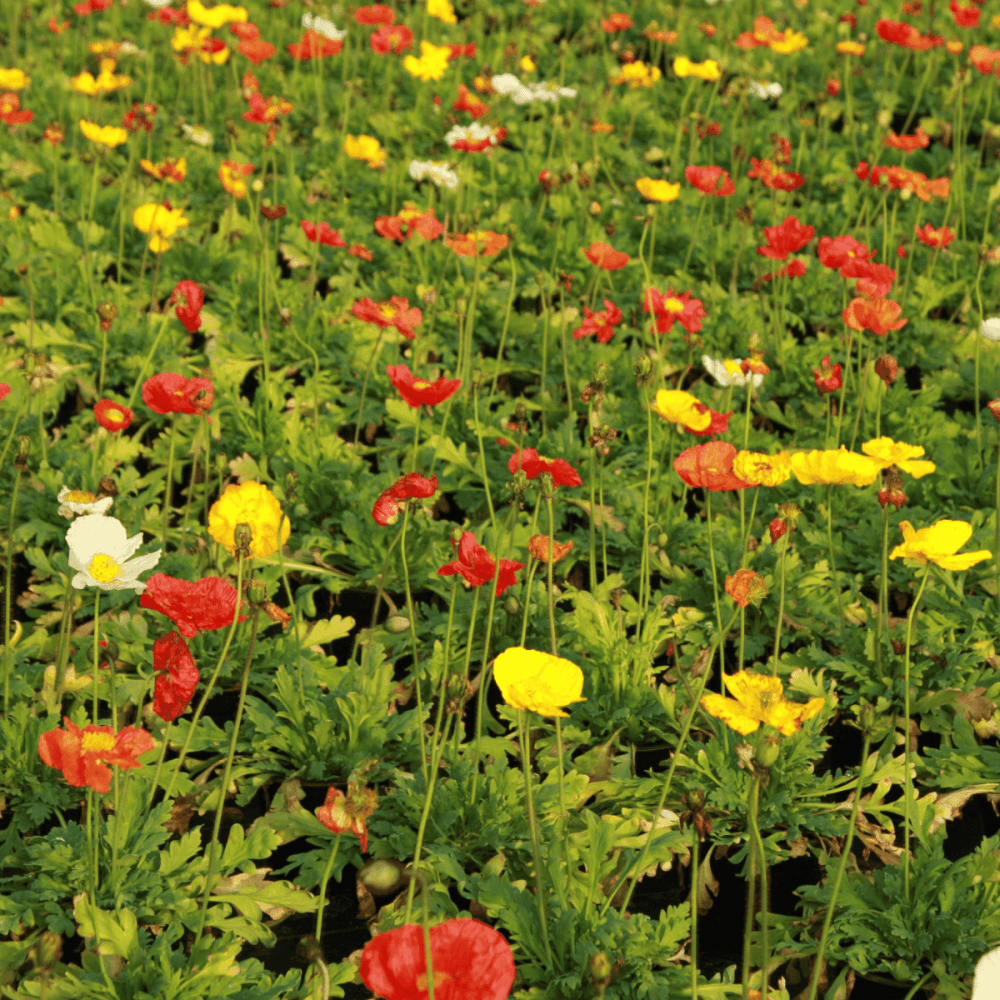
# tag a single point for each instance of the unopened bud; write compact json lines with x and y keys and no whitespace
{"x":22,"y":269}
{"x":242,"y":537}
{"x":767,"y":751}
{"x":512,"y":606}
{"x":777,"y":528}
{"x":111,"y":650}
{"x":381,"y":877}
{"x":291,"y":478}
{"x":642,"y":368}
{"x":892,"y":488}
{"x":397,"y":624}
{"x":547,"y":485}
{"x":594,"y":208}
{"x":994,"y":405}
{"x":257,"y":592}
{"x":495,"y":865}
{"x":886,"y":368}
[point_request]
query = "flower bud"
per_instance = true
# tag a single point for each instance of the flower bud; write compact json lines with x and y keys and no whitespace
{"x":242,"y":537}
{"x":397,"y":624}
{"x":661,"y":539}
{"x":994,"y":405}
{"x":456,"y":534}
{"x":257,"y":592}
{"x":892,"y":488}
{"x":381,"y":877}
{"x":495,"y":865}
{"x":777,"y":528}
{"x":886,"y":368}
{"x":594,"y":208}
{"x":512,"y":606}
{"x":767,"y":751}
{"x":746,"y":587}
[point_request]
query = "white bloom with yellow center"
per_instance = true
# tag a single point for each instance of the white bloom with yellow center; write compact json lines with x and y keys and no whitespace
{"x":437,"y":170}
{"x":199,"y":135}
{"x":323,"y":27}
{"x":728,"y":372}
{"x":101,"y":552}
{"x":81,"y":502}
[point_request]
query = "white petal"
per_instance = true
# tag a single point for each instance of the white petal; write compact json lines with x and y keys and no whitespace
{"x":94,"y":533}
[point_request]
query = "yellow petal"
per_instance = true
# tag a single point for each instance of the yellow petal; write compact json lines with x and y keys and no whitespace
{"x":730,"y":712}
{"x":964,"y":561}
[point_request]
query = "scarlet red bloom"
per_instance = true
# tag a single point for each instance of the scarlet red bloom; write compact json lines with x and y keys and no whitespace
{"x":256,"y":50}
{"x":468,"y":244}
{"x":83,"y":754}
{"x":175,"y":688}
{"x":273,"y":212}
{"x":4,"y":390}
{"x":832,"y":87}
{"x":111,"y":416}
{"x":169,"y":16}
{"x":908,"y":143}
{"x":469,"y":959}
{"x":9,"y":113}
{"x":467,"y":101}
{"x":477,"y":566}
{"x":777,"y":529}
{"x":965,"y":17}
{"x":711,"y":180}
{"x":985,"y":60}
{"x":709,"y":466}
{"x":391,"y":38}
{"x":934,"y":237}
{"x":87,"y":7}
{"x":329,"y":237}
{"x":314,"y":46}
{"x":602,"y":323}
{"x":668,"y":308}
{"x":56,"y":28}
{"x":141,"y":116}
{"x":419,"y":391}
{"x":375,"y":14}
{"x":193,"y":299}
{"x":244,"y":30}
{"x":874,"y":280}
{"x":878,"y":315}
{"x":205,"y":605}
{"x":169,"y":392}
{"x":350,"y":813}
{"x":901,"y":250}
{"x":386,"y":509}
{"x":785,"y":238}
{"x":719,"y":424}
{"x":359,"y":250}
{"x":828,"y":379}
{"x":771,"y":177}
{"x":533,"y":464}
{"x":900,"y":33}
{"x":407,"y":223}
{"x":395,"y":312}
{"x":837,"y":251}
{"x":459,"y":51}
{"x":606,"y":257}
{"x":616,"y":22}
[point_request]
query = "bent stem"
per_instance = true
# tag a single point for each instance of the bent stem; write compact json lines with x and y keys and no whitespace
{"x":695,"y":841}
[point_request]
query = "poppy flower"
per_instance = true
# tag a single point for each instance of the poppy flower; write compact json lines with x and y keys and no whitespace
{"x":313,"y":45}
{"x":604,"y":256}
{"x":710,"y":180}
{"x":255,"y":505}
{"x":394,"y":312}
{"x":231,"y":174}
{"x":205,"y":605}
{"x":759,"y":469}
{"x":835,"y":252}
{"x":87,"y":7}
{"x":190,"y":309}
{"x":158,"y":221}
{"x":874,"y":280}
{"x":828,"y":379}
{"x":439,"y":171}
{"x":834,"y":467}
{"x":637,"y":75}
{"x":407,"y":223}
{"x":539,"y":548}
{"x":467,"y":51}
{"x":908,"y":143}
{"x":214,"y":17}
{"x":467,"y":101}
{"x":759,"y":699}
{"x":772,"y":177}
{"x":375,"y":14}
{"x":173,"y":171}
{"x":832,"y":87}
{"x":323,"y":232}
{"x":729,"y":371}
{"x":4,"y":390}
{"x":533,"y":465}
{"x":141,"y":116}
{"x":469,"y":959}
{"x":112,"y":416}
{"x":101,"y":553}
{"x":687,"y":412}
{"x":468,"y":244}
{"x":602,"y":323}
{"x":939,"y":544}
{"x":746,"y":587}
{"x":474,"y":138}
{"x":391,"y":38}
{"x":256,"y":50}
{"x":709,"y":466}
{"x":965,"y":17}
{"x":359,"y":250}
{"x":105,"y":135}
{"x":616,"y":22}
{"x":55,"y":133}
{"x":477,"y":566}
{"x":984,"y":59}
{"x":659,"y":191}
{"x":937,"y":238}
{"x":169,"y":392}
{"x":83,"y":754}
{"x":785,"y":238}
{"x":244,"y":30}
{"x":668,"y":308}
{"x":431,"y":65}
{"x":349,"y":813}
{"x":418,"y":391}
{"x":10,"y":113}
{"x":878,"y":315}
{"x":56,"y":28}
{"x":175,"y":685}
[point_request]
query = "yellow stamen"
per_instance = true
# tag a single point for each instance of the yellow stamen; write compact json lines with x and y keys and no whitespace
{"x":103,"y":568}
{"x":674,"y":305}
{"x":100,"y":743}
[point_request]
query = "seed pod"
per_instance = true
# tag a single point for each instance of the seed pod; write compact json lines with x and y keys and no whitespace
{"x":397,"y":624}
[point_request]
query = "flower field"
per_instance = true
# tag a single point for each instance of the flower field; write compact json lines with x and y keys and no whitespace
{"x":499,"y":499}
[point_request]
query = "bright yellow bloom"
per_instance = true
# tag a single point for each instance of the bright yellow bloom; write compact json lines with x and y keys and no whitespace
{"x":938,"y":544}
{"x":838,"y":467}
{"x":707,"y":70}
{"x":638,"y":74}
{"x":215,"y":17}
{"x":191,"y":38}
{"x":365,"y":147}
{"x":657,"y":190}
{"x":527,"y":65}
{"x":680,"y":408}
{"x":249,"y":503}
{"x":792,"y":42}
{"x":760,"y":699}
{"x":763,"y":470}
{"x":848,"y":48}
{"x":13,"y":79}
{"x":105,"y":82}
{"x":887,"y":452}
{"x":442,"y":10}
{"x":537,"y":682}
{"x":432,"y":63}
{"x":106,"y":135}
{"x":159,"y":222}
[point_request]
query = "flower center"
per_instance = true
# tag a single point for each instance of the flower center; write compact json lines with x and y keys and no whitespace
{"x":80,"y":496}
{"x":388,"y":311}
{"x":115,"y":415}
{"x":439,"y":979}
{"x":99,"y":743}
{"x":421,"y":384}
{"x":733,"y":367}
{"x":674,"y":305}
{"x":767,"y":699}
{"x":103,"y":568}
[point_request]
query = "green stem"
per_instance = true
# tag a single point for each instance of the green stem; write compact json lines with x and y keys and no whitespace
{"x":413,"y":643}
{"x":979,"y":427}
{"x":833,"y":566}
{"x":322,"y":886}
{"x":695,"y":841}
{"x":6,"y":617}
{"x":715,"y":591}
{"x":170,"y":477}
{"x":644,"y":582}
{"x":883,"y":590}
{"x":759,"y":845}
{"x":506,"y":322}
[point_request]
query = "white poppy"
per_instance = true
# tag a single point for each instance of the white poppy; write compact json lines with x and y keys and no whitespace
{"x":102,"y":554}
{"x":437,"y":170}
{"x":520,"y":93}
{"x":158,"y":3}
{"x":765,"y":91}
{"x":81,"y":502}
{"x":199,"y":135}
{"x":990,"y":329}
{"x":472,"y":133}
{"x":986,"y":984}
{"x":323,"y":27}
{"x":728,"y":372}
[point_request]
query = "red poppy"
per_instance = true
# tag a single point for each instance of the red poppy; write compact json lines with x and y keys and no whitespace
{"x":719,"y":424}
{"x":386,"y":509}
{"x":908,"y":143}
{"x":771,"y":177}
{"x":467,"y":144}
{"x":459,"y":51}
{"x":900,"y":33}
{"x":418,"y":391}
{"x":9,"y":113}
{"x":174,"y":688}
{"x":878,"y":315}
{"x":256,"y":50}
{"x":965,"y":17}
{"x":616,"y":22}
{"x":709,"y":466}
{"x":670,"y":307}
{"x":205,"y":605}
{"x":349,"y":813}
{"x":468,"y":244}
{"x":984,"y":59}
{"x":533,"y":464}
{"x":329,"y":237}
{"x":395,"y":312}
{"x":169,"y":16}
{"x":4,"y":390}
{"x":832,"y":87}
{"x":711,"y":180}
{"x":273,"y":212}
{"x":314,"y":46}
{"x":83,"y":754}
{"x":194,"y":298}
{"x":56,"y":28}
{"x":606,"y":257}
{"x":874,"y":280}
{"x":87,"y":7}
{"x":407,"y":223}
{"x":477,"y":566}
{"x":602,"y":323}
{"x":395,"y":38}
{"x":901,"y":250}
{"x":265,"y":112}
{"x":785,"y":238}
{"x":828,"y":379}
{"x":244,"y":30}
{"x":375,"y":14}
{"x":834,"y":252}
{"x":169,"y":392}
{"x":468,"y":959}
{"x":359,"y":250}
{"x":467,"y":101}
{"x":111,"y":416}
{"x":141,"y":116}
{"x":934,"y":237}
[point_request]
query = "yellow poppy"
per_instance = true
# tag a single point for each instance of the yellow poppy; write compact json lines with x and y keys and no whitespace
{"x":106,"y":135}
{"x":657,"y":190}
{"x":680,"y":408}
{"x":638,"y":74}
{"x":248,"y":503}
{"x":13,"y":79}
{"x":159,"y":222}
{"x":707,"y":70}
{"x":763,"y":470}
{"x":442,"y":10}
{"x":838,"y":467}
{"x":760,"y":700}
{"x":938,"y":544}
{"x":432,"y":63}
{"x":527,"y":65}
{"x":848,"y":48}
{"x":792,"y":41}
{"x":365,"y":147}
{"x":887,"y":452}
{"x":215,"y":17}
{"x":538,"y":682}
